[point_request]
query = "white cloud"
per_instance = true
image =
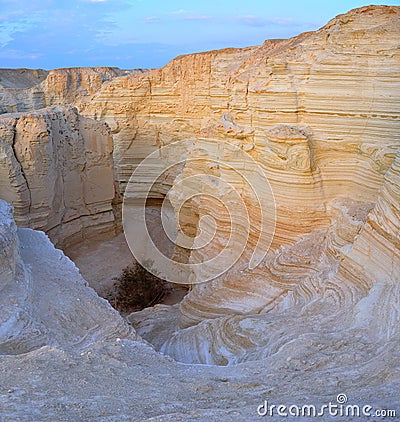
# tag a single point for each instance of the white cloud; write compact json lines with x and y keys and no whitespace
{"x":18,"y":54}
{"x":252,"y":20}
{"x":151,"y":19}
{"x":179,"y":12}
{"x":197,"y":17}
{"x":258,"y":21}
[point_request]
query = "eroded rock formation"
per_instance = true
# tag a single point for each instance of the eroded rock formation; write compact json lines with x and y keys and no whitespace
{"x":24,"y":90}
{"x":319,"y":115}
{"x":57,"y":166}
{"x":56,"y":169}
{"x":64,"y":352}
{"x":44,"y":299}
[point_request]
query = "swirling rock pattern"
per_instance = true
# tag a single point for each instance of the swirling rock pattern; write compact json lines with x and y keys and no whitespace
{"x":324,"y":128}
{"x":351,"y":289}
{"x":57,"y":334}
{"x":319,"y":115}
{"x":318,"y":317}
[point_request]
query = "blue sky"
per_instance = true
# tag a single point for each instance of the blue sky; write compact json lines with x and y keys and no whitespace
{"x":147,"y":33}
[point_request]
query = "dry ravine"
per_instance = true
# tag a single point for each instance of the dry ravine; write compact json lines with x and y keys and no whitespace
{"x":315,"y":321}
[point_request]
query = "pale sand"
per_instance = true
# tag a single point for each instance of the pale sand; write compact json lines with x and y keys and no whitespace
{"x":99,"y":261}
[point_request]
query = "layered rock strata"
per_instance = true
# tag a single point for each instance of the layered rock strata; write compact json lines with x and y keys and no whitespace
{"x":66,"y":354}
{"x":25,"y":90}
{"x":319,"y":316}
{"x":319,"y":114}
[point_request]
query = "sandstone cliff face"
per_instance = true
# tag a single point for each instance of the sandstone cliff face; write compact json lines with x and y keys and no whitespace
{"x":318,"y":113}
{"x":56,"y":169}
{"x":342,"y":76}
{"x":23,"y":90}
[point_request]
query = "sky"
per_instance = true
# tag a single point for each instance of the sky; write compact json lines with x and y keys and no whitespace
{"x":148,"y":33}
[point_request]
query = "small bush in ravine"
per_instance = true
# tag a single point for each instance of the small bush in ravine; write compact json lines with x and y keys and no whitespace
{"x":136,"y":289}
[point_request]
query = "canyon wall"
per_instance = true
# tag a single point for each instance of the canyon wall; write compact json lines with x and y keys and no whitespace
{"x":288,"y":152}
{"x":317,"y":115}
{"x":57,"y":166}
{"x":56,"y":169}
{"x":24,"y":90}
{"x":44,"y":299}
{"x":320,"y":115}
{"x":57,"y":335}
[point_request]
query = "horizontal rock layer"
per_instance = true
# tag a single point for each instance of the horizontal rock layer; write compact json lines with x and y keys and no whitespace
{"x":24,"y":90}
{"x":319,"y":114}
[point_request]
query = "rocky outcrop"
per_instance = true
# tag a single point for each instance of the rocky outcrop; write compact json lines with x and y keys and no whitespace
{"x":44,"y":299}
{"x":57,"y":335}
{"x":315,"y":114}
{"x":57,"y":166}
{"x":318,"y":114}
{"x":24,"y":90}
{"x":326,"y":286}
{"x":56,"y":169}
{"x":312,"y":121}
{"x":311,"y":82}
{"x":21,"y":78}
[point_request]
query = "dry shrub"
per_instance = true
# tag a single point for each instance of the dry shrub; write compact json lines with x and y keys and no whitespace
{"x":136,"y":289}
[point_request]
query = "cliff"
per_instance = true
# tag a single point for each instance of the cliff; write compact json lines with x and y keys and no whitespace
{"x":315,"y":115}
{"x":318,"y":114}
{"x":44,"y":300}
{"x":56,"y":168}
{"x":24,"y":90}
{"x":65,"y":353}
{"x":280,"y":168}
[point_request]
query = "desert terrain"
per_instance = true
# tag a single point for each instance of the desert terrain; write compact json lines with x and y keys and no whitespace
{"x":280,"y":164}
